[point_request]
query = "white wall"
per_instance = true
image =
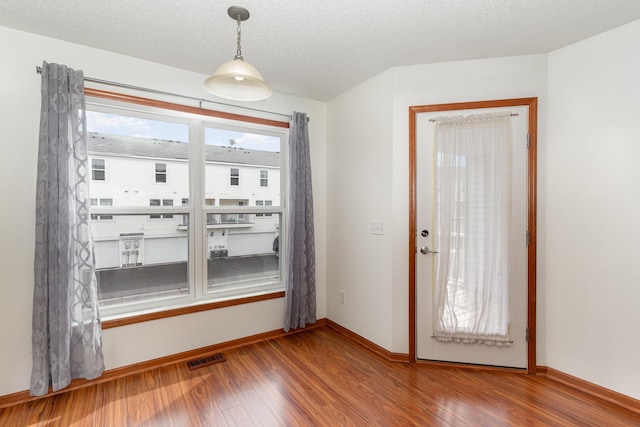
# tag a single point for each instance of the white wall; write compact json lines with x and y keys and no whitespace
{"x":359,"y":178}
{"x":368,"y":177}
{"x":19,"y":113}
{"x":588,"y":198}
{"x":593,"y":199}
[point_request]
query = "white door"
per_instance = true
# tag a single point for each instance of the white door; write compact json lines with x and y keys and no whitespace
{"x":428,"y":348}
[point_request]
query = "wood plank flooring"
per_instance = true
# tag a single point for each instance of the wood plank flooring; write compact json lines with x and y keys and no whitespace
{"x":319,"y":378}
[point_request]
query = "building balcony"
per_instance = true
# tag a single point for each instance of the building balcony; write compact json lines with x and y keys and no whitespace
{"x":217,"y":221}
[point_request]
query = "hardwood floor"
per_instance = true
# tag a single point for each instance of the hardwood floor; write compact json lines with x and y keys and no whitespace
{"x":319,"y":378}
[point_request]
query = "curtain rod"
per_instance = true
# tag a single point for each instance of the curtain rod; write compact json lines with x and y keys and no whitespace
{"x":159,"y":92}
{"x":511,"y":114}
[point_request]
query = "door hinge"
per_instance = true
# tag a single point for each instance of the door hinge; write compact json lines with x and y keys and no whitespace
{"x":528,"y":140}
{"x":526,"y":333}
{"x":528,"y":238}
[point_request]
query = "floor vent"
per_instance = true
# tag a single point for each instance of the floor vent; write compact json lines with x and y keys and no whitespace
{"x":206,"y":361}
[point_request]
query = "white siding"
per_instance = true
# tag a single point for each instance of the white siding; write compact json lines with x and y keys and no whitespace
{"x":165,"y":250}
{"x":242,"y":244}
{"x":107,"y":254}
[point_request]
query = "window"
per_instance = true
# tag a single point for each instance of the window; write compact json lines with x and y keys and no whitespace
{"x":161,"y":172}
{"x":235,"y":176}
{"x":101,"y":202}
{"x":97,"y":170}
{"x":161,"y":202}
{"x":263,"y":203}
{"x":155,"y":202}
{"x":146,"y":259}
{"x":167,"y":202}
{"x":184,"y":221}
{"x":264,"y":178}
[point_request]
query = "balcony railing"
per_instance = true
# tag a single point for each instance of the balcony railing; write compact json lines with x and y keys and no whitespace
{"x":215,"y":219}
{"x":221,"y":220}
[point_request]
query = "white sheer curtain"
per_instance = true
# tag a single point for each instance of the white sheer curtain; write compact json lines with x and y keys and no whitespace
{"x":472,"y":211}
{"x":66,"y":337}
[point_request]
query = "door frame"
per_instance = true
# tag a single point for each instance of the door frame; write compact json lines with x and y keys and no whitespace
{"x":532,"y":163}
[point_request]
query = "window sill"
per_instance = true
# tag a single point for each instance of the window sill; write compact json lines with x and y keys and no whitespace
{"x":130,"y":320}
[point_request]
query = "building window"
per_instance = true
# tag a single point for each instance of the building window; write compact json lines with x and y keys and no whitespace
{"x":161,"y":173}
{"x":264,"y":203}
{"x":101,"y":202}
{"x":167,"y":202}
{"x":234,"y":174}
{"x":146,"y":258}
{"x":161,"y":202}
{"x":184,"y":221}
{"x":264,"y":178}
{"x":97,"y":170}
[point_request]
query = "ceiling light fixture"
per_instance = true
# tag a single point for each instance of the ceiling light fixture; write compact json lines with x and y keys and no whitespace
{"x":238,"y":80}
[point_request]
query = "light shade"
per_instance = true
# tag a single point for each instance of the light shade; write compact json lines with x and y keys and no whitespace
{"x":239,"y":81}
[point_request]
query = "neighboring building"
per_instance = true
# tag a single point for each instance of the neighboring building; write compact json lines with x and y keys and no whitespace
{"x":136,"y":172}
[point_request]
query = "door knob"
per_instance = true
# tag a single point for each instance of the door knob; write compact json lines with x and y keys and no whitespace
{"x":426,"y":251}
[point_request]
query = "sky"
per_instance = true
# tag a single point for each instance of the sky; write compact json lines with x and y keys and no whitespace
{"x":116,"y":124}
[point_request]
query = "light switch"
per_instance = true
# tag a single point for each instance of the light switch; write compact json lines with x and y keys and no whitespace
{"x":377,"y":227}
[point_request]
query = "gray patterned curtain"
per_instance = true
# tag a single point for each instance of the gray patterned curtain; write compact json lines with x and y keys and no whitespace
{"x":300,"y":295}
{"x":66,"y":340}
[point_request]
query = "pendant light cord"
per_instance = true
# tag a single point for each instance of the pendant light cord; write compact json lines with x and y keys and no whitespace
{"x":239,"y":47}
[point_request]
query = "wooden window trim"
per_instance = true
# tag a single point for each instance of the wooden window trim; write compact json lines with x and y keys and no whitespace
{"x":163,"y":314}
{"x":113,"y":96}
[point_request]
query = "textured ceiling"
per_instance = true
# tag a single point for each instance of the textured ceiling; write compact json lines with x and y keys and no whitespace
{"x":318,"y":49}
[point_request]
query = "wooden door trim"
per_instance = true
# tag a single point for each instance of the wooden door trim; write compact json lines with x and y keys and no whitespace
{"x":532,"y":189}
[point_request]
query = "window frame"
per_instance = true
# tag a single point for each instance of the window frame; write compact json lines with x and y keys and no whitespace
{"x":196,"y":118}
{"x":235,"y":177}
{"x":264,"y":181}
{"x":95,"y":169}
{"x":160,"y":173}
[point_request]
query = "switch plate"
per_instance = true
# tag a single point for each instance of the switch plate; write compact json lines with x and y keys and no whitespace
{"x":342,"y":297}
{"x":377,"y":227}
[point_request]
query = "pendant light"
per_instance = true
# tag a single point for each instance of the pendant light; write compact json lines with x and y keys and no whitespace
{"x":238,"y":80}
